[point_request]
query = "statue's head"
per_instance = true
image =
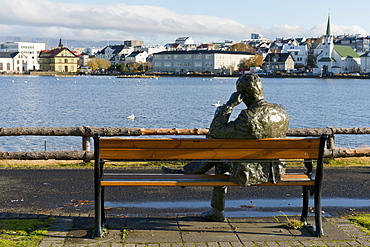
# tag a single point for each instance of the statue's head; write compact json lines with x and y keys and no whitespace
{"x":250,"y":86}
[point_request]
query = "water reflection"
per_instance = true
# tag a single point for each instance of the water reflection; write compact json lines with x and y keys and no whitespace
{"x":242,"y":208}
{"x":247,"y":204}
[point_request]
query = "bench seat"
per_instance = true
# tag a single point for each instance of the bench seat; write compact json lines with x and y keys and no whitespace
{"x":129,"y":179}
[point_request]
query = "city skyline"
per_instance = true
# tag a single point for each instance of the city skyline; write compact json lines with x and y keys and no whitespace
{"x":160,"y":22}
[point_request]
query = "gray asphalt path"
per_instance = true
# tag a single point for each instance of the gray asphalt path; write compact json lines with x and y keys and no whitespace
{"x":71,"y":190}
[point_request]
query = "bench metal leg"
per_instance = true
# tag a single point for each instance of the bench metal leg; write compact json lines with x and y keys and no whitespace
{"x":317,"y":228}
{"x":102,"y":207}
{"x":304,"y":215}
{"x":318,"y":217}
{"x":98,"y":191}
{"x":98,"y":231}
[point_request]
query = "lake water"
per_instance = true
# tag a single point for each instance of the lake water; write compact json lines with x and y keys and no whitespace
{"x":168,"y":102}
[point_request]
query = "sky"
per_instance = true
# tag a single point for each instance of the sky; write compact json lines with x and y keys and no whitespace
{"x":162,"y":21}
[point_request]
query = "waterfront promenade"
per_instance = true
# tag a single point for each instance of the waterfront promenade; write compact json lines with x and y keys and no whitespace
{"x":43,"y":193}
{"x":190,"y":231}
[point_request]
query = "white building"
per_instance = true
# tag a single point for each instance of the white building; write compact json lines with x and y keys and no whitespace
{"x":31,"y":50}
{"x":299,"y":53}
{"x":137,"y":57}
{"x":365,"y":62}
{"x":336,"y":59}
{"x":92,"y":50}
{"x":181,"y":43}
{"x":12,"y":62}
{"x":152,"y":49}
{"x":115,"y":53}
{"x":215,"y":61}
{"x":185,"y":41}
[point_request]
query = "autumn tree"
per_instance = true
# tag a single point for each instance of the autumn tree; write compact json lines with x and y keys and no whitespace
{"x":98,"y":63}
{"x":242,"y":47}
{"x":255,"y":61}
{"x":133,"y":67}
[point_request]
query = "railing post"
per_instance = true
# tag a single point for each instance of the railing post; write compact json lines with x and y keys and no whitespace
{"x":86,"y":145}
{"x":330,"y":144}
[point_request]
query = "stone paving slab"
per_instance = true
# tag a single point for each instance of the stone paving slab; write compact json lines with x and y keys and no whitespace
{"x":197,"y":223}
{"x":152,"y":236}
{"x":209,"y":236}
{"x":151,"y":223}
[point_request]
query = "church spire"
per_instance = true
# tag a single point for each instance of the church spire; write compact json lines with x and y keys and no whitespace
{"x":60,"y":44}
{"x":328,"y":31}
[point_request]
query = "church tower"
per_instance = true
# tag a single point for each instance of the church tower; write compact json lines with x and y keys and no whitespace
{"x":325,"y":60}
{"x":328,"y":44}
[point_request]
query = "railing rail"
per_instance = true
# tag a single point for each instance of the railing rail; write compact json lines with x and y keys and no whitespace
{"x":87,"y":132}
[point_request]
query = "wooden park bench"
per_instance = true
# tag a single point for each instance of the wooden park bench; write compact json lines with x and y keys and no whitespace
{"x":309,"y":151}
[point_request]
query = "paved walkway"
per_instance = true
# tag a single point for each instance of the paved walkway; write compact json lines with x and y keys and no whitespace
{"x":190,"y":231}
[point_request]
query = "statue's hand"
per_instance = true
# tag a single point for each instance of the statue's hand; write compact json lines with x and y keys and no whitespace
{"x":235,"y":99}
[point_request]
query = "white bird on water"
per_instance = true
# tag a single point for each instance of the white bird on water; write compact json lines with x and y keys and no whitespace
{"x":131,"y":117}
{"x":217,"y":104}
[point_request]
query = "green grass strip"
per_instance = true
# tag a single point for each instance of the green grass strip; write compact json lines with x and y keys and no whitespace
{"x":25,"y":232}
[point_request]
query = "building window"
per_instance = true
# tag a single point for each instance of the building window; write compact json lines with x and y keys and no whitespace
{"x":65,"y":60}
{"x":157,"y":64}
{"x":187,"y":56}
{"x":208,"y":57}
{"x":1,"y":66}
{"x":198,"y":56}
{"x":177,"y":57}
{"x":167,"y":64}
{"x":167,"y":57}
{"x":198,"y":64}
{"x":187,"y":64}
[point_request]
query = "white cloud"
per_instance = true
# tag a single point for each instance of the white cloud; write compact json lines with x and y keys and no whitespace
{"x":43,"y":18}
{"x":320,"y":29}
{"x":118,"y":19}
{"x":5,"y":29}
{"x":286,"y":31}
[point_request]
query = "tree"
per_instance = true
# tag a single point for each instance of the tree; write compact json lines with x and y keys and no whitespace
{"x":121,"y":68}
{"x":242,"y":47}
{"x":255,"y":61}
{"x":311,"y":61}
{"x":133,"y":67}
{"x":98,"y":63}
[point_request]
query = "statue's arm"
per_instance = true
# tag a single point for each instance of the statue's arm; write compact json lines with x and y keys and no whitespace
{"x":223,"y":129}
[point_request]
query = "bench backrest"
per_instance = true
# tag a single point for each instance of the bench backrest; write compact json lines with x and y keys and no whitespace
{"x":208,"y":149}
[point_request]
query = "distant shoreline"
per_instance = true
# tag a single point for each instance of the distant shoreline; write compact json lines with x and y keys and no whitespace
{"x":185,"y":75}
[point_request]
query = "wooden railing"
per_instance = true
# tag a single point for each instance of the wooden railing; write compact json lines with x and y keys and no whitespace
{"x":86,"y":133}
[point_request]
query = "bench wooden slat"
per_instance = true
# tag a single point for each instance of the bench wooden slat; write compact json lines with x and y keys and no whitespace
{"x":156,"y":143}
{"x":211,"y":154}
{"x":213,"y":149}
{"x":122,"y":179}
